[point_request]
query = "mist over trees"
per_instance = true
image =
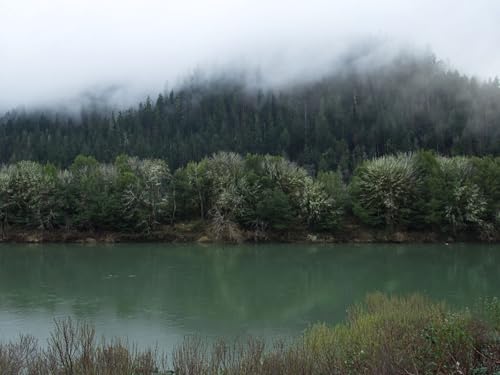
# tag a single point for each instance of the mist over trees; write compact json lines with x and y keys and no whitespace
{"x":414,"y":103}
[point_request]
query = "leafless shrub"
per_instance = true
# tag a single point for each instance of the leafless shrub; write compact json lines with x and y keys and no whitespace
{"x":72,"y":349}
{"x":383,"y":335}
{"x":224,"y":228}
{"x":191,"y":357}
{"x":19,"y":356}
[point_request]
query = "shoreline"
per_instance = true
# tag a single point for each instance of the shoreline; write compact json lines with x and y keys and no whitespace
{"x":196,"y":233}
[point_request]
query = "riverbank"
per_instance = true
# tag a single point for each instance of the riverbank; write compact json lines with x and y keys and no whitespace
{"x":254,"y":198}
{"x":201,"y":232}
{"x":382,"y":335}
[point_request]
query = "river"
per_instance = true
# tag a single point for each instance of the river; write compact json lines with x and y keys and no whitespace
{"x":158,"y":293}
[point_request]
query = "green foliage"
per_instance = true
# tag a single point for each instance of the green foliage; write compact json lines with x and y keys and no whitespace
{"x":458,"y":202}
{"x":335,"y":187}
{"x":92,"y":200}
{"x":252,"y":194}
{"x":198,"y":183}
{"x":287,"y":176}
{"x":384,"y":190}
{"x":228,"y":185}
{"x":145,"y":197}
{"x":29,"y":195}
{"x":275,"y":209}
{"x":489,"y":309}
{"x":404,"y":334}
{"x":4,"y":196}
{"x":430,"y":203}
{"x":411,"y":103}
{"x":487,"y":177}
{"x":318,"y":208}
{"x":131,"y":194}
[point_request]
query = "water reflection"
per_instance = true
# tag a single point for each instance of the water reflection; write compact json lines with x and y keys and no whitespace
{"x":154,"y":292}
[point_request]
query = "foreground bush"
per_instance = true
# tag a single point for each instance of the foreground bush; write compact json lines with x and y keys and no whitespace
{"x":72,"y":349}
{"x":389,"y":335}
{"x":383,"y":335}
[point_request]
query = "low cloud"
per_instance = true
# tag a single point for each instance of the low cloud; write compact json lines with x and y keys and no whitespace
{"x":55,"y":52}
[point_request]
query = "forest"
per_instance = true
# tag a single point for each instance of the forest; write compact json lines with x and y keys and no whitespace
{"x":332,"y":123}
{"x":257,"y":194}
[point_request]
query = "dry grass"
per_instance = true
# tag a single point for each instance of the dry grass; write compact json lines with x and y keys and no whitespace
{"x":383,"y":335}
{"x":72,"y":349}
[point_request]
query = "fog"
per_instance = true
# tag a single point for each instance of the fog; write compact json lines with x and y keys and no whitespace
{"x":54,"y":52}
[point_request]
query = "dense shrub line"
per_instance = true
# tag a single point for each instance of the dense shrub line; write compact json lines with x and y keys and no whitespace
{"x":427,"y":191}
{"x":383,"y":335}
{"x":257,"y":193}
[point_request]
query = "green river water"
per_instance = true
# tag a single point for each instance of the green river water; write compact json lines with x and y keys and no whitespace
{"x":158,"y":293}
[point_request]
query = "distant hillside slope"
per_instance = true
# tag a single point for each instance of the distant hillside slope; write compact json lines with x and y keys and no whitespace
{"x":412,"y":103}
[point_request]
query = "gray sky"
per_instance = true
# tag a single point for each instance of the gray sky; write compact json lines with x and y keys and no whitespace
{"x":53,"y":50}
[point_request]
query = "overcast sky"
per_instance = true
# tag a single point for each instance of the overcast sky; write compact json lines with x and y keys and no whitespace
{"x":53,"y":50}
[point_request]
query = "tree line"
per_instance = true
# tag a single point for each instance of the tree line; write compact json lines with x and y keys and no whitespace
{"x":333,"y":123}
{"x":256,"y":193}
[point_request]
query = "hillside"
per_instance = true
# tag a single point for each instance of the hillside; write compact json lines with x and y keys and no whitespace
{"x":329,"y":124}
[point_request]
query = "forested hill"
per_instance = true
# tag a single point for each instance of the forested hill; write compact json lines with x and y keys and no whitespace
{"x":353,"y":114}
